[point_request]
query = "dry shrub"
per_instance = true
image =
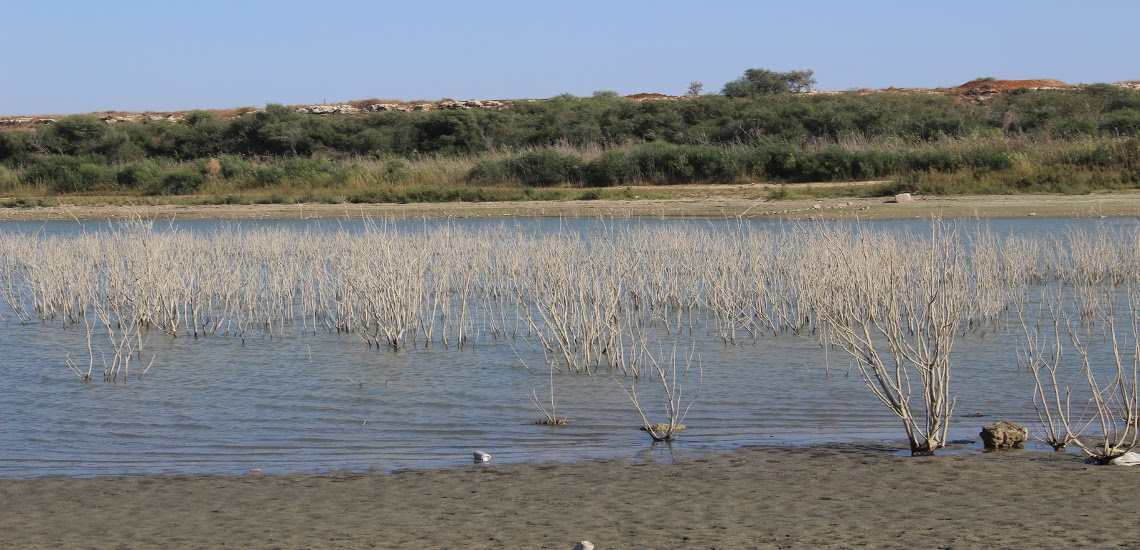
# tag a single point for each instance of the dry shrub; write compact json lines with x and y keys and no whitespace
{"x":213,"y":168}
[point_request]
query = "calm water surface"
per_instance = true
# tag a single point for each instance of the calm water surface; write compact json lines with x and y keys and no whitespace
{"x":311,"y":403}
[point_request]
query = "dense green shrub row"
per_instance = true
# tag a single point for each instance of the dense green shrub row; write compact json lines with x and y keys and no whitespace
{"x":787,"y":137}
{"x":1099,"y":110}
{"x":655,"y":163}
{"x":664,"y":164}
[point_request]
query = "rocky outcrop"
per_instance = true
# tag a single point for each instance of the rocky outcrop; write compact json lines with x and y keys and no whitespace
{"x":975,"y":91}
{"x":1004,"y":435}
{"x":328,"y":109}
{"x":378,"y":107}
{"x":470,"y":104}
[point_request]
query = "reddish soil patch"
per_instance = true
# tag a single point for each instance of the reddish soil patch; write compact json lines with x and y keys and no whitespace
{"x":1006,"y":85}
{"x":640,"y":97}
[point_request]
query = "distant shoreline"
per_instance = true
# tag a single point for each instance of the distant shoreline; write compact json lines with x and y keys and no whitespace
{"x":724,"y":205}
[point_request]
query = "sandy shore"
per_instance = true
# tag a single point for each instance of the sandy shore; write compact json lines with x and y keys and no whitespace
{"x":844,"y":496}
{"x":692,"y":201}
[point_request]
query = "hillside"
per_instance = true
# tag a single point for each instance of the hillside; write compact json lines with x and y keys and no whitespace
{"x":986,"y":136}
{"x":976,"y":90}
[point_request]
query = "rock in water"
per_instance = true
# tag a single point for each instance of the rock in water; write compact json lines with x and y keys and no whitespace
{"x":481,"y":456}
{"x":1004,"y":435}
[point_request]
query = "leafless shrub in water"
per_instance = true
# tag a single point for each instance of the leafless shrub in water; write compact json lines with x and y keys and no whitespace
{"x":897,"y":308}
{"x":668,"y":374}
{"x":1086,"y":312}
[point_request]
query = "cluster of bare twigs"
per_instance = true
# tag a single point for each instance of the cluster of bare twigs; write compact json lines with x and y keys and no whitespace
{"x":598,"y":302}
{"x":1082,"y":344}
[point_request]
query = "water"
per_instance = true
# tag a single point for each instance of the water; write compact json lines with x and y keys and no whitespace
{"x":311,"y":403}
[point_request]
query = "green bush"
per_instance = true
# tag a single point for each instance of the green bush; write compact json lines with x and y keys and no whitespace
{"x":235,"y":167}
{"x":1073,"y":127}
{"x":12,"y":146}
{"x":8,"y":179}
{"x":395,"y":170}
{"x":763,"y":81}
{"x":776,"y":160}
{"x":545,"y":167}
{"x":611,"y":168}
{"x":305,"y":168}
{"x":76,"y":134}
{"x":488,"y":172}
{"x":269,"y":175}
{"x":67,"y":173}
{"x":95,"y":176}
{"x":713,"y":164}
{"x":831,"y":163}
{"x":139,"y":175}
{"x":180,"y":182}
{"x":1125,"y":123}
{"x":662,"y":163}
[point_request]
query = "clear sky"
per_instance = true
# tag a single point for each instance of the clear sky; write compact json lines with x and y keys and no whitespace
{"x":61,"y":57}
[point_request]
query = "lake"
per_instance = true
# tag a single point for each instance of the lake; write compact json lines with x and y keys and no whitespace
{"x":294,"y":399}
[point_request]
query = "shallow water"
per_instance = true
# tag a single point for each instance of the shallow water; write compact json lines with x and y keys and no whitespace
{"x":305,"y":402}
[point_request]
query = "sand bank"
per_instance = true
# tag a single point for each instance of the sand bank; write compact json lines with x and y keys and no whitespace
{"x":842,"y":496}
{"x":725,"y":203}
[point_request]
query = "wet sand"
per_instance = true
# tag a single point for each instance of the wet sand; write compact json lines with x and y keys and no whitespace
{"x":747,"y":202}
{"x":838,"y":497}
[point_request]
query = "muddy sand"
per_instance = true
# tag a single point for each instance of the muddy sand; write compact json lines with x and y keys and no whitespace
{"x":744,"y":201}
{"x":769,"y":497}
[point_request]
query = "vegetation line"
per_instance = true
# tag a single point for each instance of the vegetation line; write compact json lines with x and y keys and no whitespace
{"x":759,"y":129}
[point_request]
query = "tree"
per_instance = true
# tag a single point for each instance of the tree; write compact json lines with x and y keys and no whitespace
{"x":73,"y":135}
{"x":762,"y":82}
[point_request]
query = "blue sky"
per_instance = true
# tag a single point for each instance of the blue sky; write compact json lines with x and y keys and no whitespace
{"x":60,"y":57}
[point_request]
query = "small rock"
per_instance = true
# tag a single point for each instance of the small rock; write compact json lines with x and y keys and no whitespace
{"x":903,"y":197}
{"x":584,"y":545}
{"x":1127,"y":459}
{"x":481,"y":456}
{"x":664,"y":426}
{"x":1004,"y":435}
